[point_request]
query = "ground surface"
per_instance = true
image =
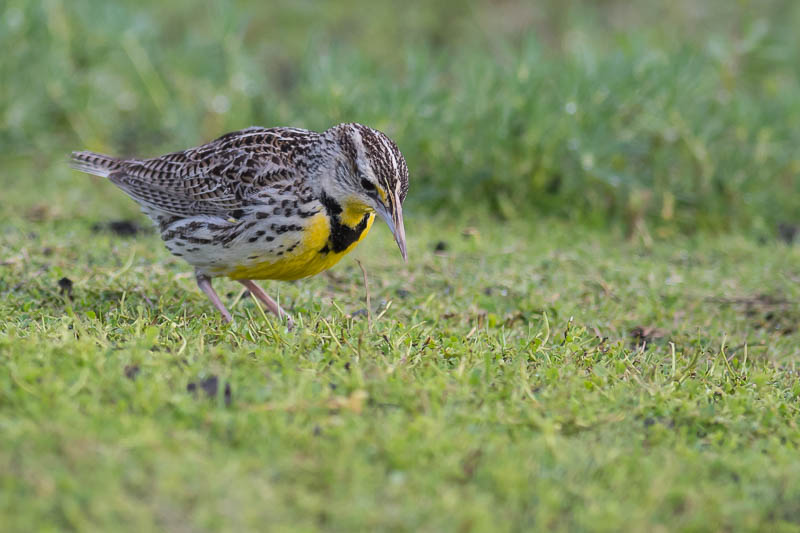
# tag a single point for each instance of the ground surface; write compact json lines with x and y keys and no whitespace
{"x":522,"y":376}
{"x":540,"y":371}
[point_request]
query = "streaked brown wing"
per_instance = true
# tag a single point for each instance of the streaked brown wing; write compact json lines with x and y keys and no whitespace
{"x":213,"y":179}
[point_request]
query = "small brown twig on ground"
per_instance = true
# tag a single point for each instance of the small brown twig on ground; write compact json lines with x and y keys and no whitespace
{"x":366,"y":288}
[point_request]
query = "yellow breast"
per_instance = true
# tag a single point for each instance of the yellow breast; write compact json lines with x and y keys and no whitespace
{"x":308,"y":259}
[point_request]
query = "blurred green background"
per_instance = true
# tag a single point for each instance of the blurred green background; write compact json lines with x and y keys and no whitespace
{"x":679,"y":115}
{"x":528,"y":369}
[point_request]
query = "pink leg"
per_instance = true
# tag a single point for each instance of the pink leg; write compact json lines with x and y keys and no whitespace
{"x":259,"y":293}
{"x":204,"y":282}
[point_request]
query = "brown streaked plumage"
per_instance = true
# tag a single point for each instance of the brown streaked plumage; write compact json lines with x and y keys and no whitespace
{"x":266,"y":203}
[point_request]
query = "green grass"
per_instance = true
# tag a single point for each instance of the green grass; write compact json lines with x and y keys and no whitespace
{"x":500,"y":386}
{"x":608,"y":340}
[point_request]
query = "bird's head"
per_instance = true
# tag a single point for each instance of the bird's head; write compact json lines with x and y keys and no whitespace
{"x":370,"y":174}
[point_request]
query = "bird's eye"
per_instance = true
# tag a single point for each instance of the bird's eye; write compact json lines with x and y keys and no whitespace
{"x":367,"y":185}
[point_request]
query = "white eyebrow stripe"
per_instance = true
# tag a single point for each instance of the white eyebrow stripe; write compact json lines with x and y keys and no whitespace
{"x":361,"y":154}
{"x":361,"y":149}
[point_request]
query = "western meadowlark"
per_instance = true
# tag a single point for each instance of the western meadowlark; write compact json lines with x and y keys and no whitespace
{"x":266,"y":203}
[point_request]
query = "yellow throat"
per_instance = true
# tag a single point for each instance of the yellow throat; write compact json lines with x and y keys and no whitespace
{"x":325,"y":240}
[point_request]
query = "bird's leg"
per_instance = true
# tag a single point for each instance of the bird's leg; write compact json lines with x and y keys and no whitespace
{"x":204,"y":282}
{"x":259,"y":293}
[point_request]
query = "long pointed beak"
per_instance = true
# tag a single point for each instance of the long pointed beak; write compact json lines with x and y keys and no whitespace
{"x":395,"y":223}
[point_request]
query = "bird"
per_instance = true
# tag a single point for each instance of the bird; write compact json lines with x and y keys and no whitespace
{"x":279,"y":203}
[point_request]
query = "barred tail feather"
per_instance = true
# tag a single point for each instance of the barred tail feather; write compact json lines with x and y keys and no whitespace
{"x":94,"y":163}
